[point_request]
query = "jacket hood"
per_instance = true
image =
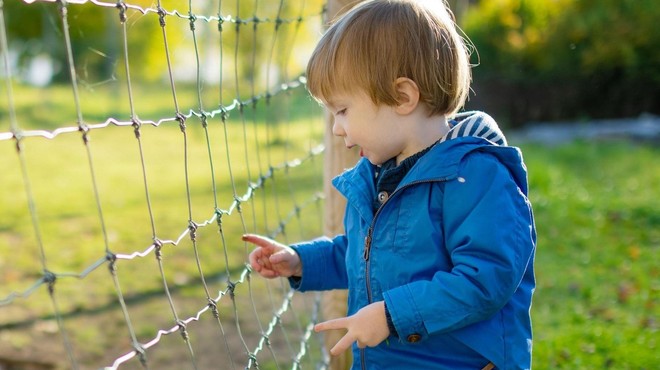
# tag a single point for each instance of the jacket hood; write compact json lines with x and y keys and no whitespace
{"x":475,"y":124}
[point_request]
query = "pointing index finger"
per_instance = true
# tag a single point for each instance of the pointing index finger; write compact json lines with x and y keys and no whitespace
{"x":258,"y":240}
{"x":333,"y":324}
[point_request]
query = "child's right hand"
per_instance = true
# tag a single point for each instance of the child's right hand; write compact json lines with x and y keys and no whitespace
{"x":272,"y":259}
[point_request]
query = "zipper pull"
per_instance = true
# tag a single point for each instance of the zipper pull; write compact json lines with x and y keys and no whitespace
{"x":367,"y":246}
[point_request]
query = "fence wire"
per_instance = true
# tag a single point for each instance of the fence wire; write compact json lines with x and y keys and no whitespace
{"x":257,"y":323}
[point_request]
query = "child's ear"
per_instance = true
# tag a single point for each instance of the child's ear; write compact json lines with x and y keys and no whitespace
{"x":407,"y":95}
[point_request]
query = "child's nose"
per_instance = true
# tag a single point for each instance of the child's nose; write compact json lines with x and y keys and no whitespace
{"x":337,"y":129}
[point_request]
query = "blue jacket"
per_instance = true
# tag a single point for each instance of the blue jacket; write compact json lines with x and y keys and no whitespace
{"x":450,"y":252}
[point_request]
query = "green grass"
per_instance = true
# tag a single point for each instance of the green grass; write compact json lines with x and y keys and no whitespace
{"x":596,"y":205}
{"x":598,"y":217}
{"x":63,"y":191}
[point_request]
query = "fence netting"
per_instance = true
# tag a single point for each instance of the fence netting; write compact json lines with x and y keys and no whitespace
{"x":138,"y":141}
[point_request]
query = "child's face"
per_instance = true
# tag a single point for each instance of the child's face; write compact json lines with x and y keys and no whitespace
{"x":376,"y":129}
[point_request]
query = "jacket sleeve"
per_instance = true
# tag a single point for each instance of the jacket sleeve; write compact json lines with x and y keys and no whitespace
{"x":323,"y":262}
{"x":488,"y":230}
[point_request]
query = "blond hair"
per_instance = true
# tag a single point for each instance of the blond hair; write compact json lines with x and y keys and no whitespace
{"x":378,"y":41}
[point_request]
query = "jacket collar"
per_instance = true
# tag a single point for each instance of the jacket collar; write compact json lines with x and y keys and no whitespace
{"x":441,"y":163}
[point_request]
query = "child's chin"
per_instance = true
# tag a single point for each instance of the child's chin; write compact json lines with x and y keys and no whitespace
{"x":374,"y":162}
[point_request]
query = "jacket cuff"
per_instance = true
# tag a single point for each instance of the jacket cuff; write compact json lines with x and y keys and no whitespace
{"x":312,"y":278}
{"x":405,"y":318}
{"x":390,"y":323}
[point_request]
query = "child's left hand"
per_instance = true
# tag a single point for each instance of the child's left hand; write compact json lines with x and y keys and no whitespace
{"x":368,"y":327}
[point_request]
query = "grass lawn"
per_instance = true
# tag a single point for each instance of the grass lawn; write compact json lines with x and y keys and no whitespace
{"x":192,"y":177}
{"x":596,"y":205}
{"x":597,"y":211}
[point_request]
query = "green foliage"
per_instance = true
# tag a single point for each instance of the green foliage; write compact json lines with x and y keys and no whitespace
{"x":609,"y":35}
{"x":96,"y":38}
{"x":565,"y":60}
{"x":508,"y":33}
{"x":522,"y":39}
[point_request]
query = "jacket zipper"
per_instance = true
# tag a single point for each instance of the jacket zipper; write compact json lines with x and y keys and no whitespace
{"x":367,"y":249}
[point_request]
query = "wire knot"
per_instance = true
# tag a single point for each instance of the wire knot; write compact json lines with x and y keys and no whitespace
{"x":278,"y":23}
{"x":49,"y":278}
{"x":122,"y":11}
{"x":82,"y":127}
{"x":214,"y":308}
{"x":136,"y":127}
{"x":182,"y":121}
{"x":18,"y":136}
{"x":192,"y":18}
{"x":158,"y":245}
{"x":252,"y":358}
{"x":112,"y":259}
{"x":161,"y":15}
{"x":238,"y":203}
{"x":182,"y":329}
{"x":204,"y":118}
{"x":221,"y":21}
{"x":231,"y":287}
{"x":139,"y":350}
{"x":219,"y":213}
{"x":224,"y":114}
{"x":62,"y":5}
{"x":239,"y":22}
{"x":192,"y":226}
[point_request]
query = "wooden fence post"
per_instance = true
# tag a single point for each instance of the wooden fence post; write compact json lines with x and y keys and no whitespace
{"x":337,"y":158}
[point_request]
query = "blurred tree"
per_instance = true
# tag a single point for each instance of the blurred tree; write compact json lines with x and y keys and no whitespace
{"x":35,"y":30}
{"x":566,"y":59}
{"x":460,"y":7}
{"x":35,"y":34}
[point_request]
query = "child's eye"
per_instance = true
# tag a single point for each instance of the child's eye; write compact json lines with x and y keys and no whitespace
{"x":341,"y":112}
